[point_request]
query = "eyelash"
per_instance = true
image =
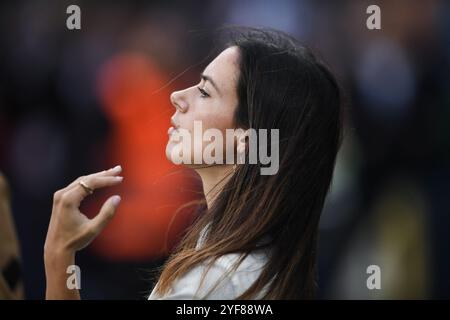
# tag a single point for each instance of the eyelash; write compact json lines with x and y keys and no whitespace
{"x":204,"y":94}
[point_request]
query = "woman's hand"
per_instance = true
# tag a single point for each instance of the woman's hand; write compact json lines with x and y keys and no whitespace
{"x":70,"y":230}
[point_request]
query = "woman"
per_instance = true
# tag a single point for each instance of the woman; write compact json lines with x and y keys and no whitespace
{"x":258,"y":236}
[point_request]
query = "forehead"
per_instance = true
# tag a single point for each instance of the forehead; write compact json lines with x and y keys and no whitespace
{"x":224,"y":69}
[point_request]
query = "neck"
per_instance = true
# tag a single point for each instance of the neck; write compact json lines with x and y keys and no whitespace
{"x":214,"y":179}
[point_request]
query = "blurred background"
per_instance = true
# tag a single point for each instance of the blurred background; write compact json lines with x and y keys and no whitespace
{"x":79,"y":101}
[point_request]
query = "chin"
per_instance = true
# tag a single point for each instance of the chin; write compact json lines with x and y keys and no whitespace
{"x":169,"y":151}
{"x":173,"y":148}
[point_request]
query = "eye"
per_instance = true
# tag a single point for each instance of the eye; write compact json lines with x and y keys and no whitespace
{"x":203,"y":93}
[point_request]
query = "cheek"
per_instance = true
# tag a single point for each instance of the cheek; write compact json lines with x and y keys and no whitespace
{"x":212,"y":112}
{"x":217,"y":117}
{"x":220,"y":122}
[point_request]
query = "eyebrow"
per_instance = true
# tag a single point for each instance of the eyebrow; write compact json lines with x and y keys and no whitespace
{"x":208,"y":78}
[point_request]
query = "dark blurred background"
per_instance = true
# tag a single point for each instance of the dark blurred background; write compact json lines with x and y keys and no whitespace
{"x":78,"y":101}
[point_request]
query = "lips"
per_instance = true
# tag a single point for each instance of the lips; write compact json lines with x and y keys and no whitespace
{"x":171,"y":129}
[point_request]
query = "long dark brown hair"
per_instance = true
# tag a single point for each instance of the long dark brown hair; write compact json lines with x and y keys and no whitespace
{"x":281,"y":85}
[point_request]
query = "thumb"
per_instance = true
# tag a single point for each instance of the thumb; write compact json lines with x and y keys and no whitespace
{"x":106,"y":213}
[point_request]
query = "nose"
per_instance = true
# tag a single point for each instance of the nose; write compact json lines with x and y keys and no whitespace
{"x":177,"y":100}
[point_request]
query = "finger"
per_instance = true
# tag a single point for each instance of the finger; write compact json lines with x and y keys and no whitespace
{"x":105,"y":173}
{"x":74,"y":196}
{"x":99,"y":222}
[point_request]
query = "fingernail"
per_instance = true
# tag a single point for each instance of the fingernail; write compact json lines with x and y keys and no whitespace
{"x":119,"y":178}
{"x":116,"y":200}
{"x":117,"y":168}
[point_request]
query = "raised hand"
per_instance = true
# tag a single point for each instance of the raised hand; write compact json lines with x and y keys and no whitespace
{"x":70,"y":229}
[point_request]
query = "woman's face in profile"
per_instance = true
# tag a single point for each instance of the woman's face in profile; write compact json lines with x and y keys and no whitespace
{"x":211,"y":103}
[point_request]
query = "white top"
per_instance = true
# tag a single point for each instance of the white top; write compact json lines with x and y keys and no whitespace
{"x":188,"y":286}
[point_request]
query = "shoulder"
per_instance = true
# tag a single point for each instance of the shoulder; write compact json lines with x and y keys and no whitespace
{"x":218,"y":280}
